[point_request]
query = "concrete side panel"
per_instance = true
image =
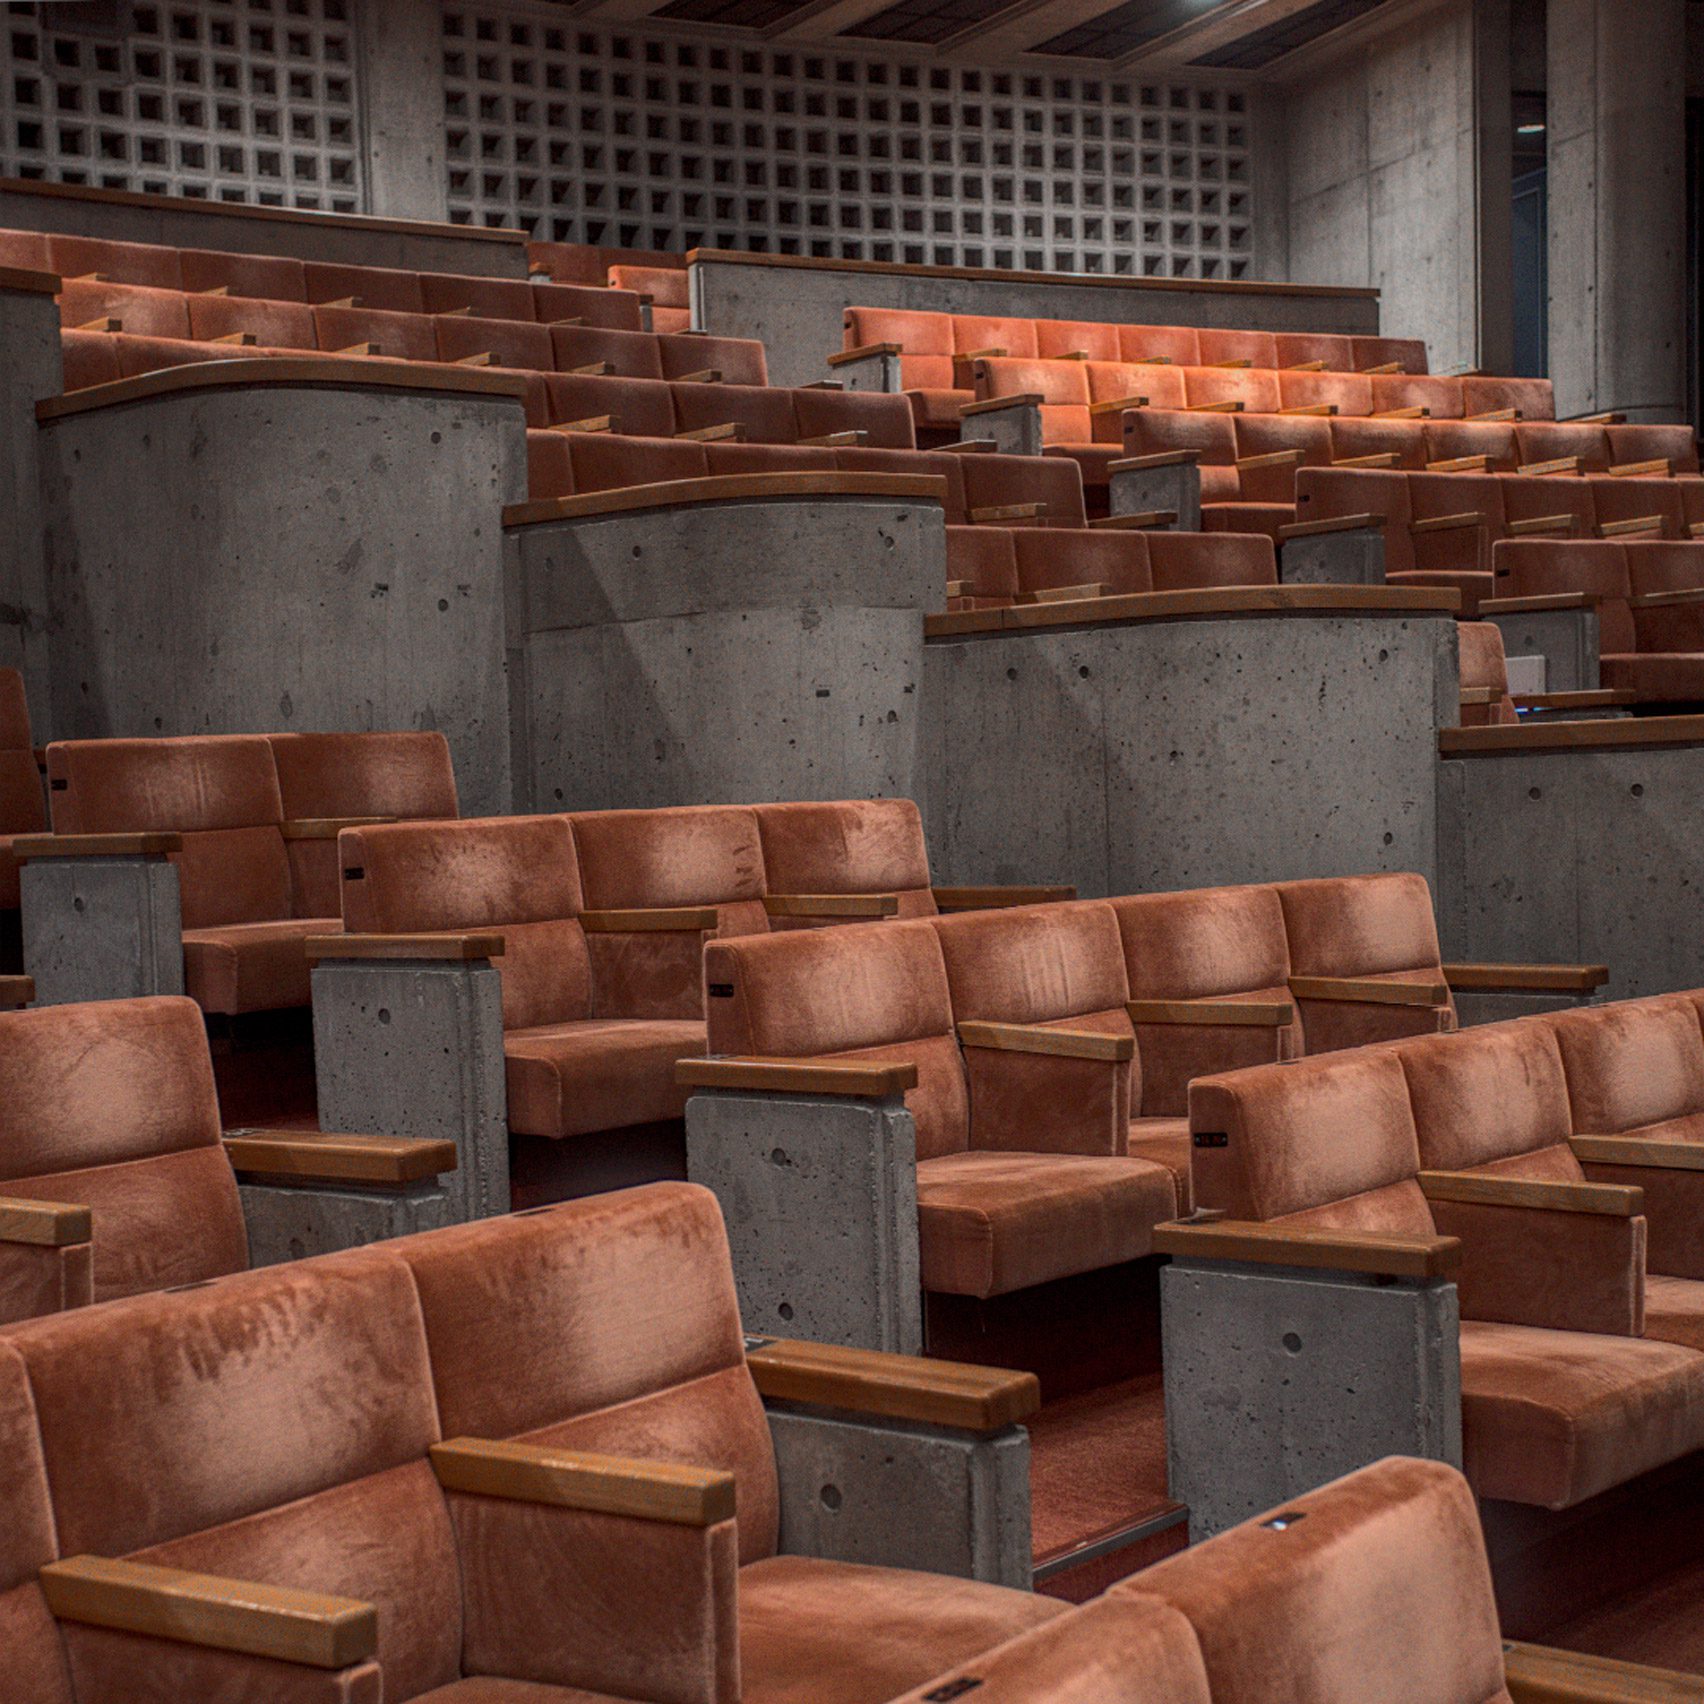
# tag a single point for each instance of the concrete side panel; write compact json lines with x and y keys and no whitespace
{"x":101,"y":928}
{"x":284,"y":559}
{"x":292,"y":1223}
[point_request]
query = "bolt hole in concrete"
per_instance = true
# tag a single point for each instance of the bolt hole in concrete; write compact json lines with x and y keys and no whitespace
{"x":1535,"y":793}
{"x":785,"y":1310}
{"x":443,"y":604}
{"x":437,"y":437}
{"x":384,"y":1014}
{"x":298,"y":1249}
{"x":77,"y":904}
{"x":1389,"y":837}
{"x":1638,"y":791}
{"x":1384,"y":656}
{"x":1292,"y":1343}
{"x":1083,"y":671}
{"x":778,"y":1157}
{"x":1011,"y":674}
{"x":831,"y":1496}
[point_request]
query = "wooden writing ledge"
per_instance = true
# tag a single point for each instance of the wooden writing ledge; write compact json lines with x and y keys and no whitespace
{"x":44,"y":1224}
{"x":380,"y":1160}
{"x":1652,"y":731}
{"x":33,"y":283}
{"x":382,"y":947}
{"x":313,"y":372}
{"x":1213,"y":601}
{"x":28,"y":846}
{"x":1540,"y":978}
{"x":1480,"y":1189}
{"x":898,"y":1387}
{"x":1378,"y":1253}
{"x":797,"y":1076}
{"x":729,"y":488}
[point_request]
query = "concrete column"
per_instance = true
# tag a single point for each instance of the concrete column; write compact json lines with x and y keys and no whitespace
{"x":1617,"y":165}
{"x":400,"y":54}
{"x":101,"y":928}
{"x":1493,"y":163}
{"x":294,"y":1221}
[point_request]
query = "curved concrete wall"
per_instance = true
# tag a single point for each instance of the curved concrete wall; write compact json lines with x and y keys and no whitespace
{"x":291,"y":556}
{"x":753,"y":648}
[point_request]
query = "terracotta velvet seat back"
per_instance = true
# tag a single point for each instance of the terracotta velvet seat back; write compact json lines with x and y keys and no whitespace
{"x":284,"y":1417}
{"x":1637,"y":1065}
{"x":1484,"y":667}
{"x":1365,"y":927}
{"x":517,"y":875}
{"x":111,"y":1105}
{"x":608,"y":1325}
{"x":219,"y":791}
{"x":850,"y":846}
{"x":1060,"y":967}
{"x":698,"y":855}
{"x":1528,"y":568}
{"x":406,"y":775}
{"x":1377,"y":1587}
{"x":22,"y":810}
{"x":1326,"y":1142}
{"x":925,"y":338}
{"x":870,"y":991}
{"x":35,"y":1655}
{"x":1209,"y":944}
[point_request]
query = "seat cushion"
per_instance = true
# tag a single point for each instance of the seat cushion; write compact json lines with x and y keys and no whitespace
{"x":251,"y":967}
{"x":990,"y":1223}
{"x":1658,"y":677}
{"x":1554,"y":1417}
{"x":1165,"y":1141}
{"x":939,"y":409}
{"x":1674,"y":1310}
{"x":9,"y":896}
{"x":816,"y":1632}
{"x":597,"y":1074}
{"x":1093,"y":459}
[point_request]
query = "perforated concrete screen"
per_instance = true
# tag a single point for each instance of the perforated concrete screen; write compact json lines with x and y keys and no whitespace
{"x":644,"y":139}
{"x":225,"y":100}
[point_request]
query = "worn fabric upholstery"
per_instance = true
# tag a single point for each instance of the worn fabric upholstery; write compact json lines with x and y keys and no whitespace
{"x":111,"y":1105}
{"x":855,"y":846}
{"x":1483,"y":665}
{"x":35,"y":1656}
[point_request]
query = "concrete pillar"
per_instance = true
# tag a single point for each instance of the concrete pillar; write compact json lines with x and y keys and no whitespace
{"x":294,"y":1221}
{"x":108,"y":928}
{"x":1617,"y":180}
{"x":1493,"y":160}
{"x":400,"y":54}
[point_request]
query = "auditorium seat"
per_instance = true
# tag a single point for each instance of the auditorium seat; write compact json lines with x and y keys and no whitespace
{"x":1099,"y":563}
{"x":271,"y":323}
{"x":495,"y":342}
{"x":1551,"y":1415}
{"x":276,"y":278}
{"x":88,"y":358}
{"x":612,"y":310}
{"x":408,"y":1441}
{"x":120,"y":263}
{"x":671,"y":309}
{"x":22,"y":806}
{"x":481,"y":298}
{"x":739,"y":360}
{"x":135,"y":308}
{"x":410,"y":336}
{"x":384,"y":289}
{"x":624,"y":354}
{"x":1485,"y":700}
{"x":113,"y":1170}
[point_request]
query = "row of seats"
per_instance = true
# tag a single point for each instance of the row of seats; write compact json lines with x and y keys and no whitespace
{"x":1041,"y":1161}
{"x":1440,"y":528}
{"x":671,"y":308}
{"x":1249,"y":462}
{"x":561,"y":344}
{"x":1582,"y":1339}
{"x":935,"y":350}
{"x":278,"y":278}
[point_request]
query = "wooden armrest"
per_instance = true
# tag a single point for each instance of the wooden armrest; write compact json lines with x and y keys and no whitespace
{"x":966,"y":447}
{"x":1495,"y":416}
{"x":1237,"y":366}
{"x":592,"y":423}
{"x":961,"y":588}
{"x":1276,"y":458}
{"x":650,"y":920}
{"x":341,"y":302}
{"x":1385,"y":369}
{"x":1364,"y":990}
{"x":1141,"y":522}
{"x":1658,"y":468}
{"x":1339,"y":523}
{"x":482,"y":359}
{"x":1459,"y":464}
{"x":1254,"y":1014}
{"x":1535,"y":605}
{"x":326,"y":828}
{"x":864,"y":352}
{"x":445,"y":946}
{"x":1447,"y":523}
{"x":1556,"y":464}
{"x":1609,"y":1200}
{"x":16,"y":991}
{"x":1166,"y":458}
{"x":358,"y":349}
{"x":577,"y":1479}
{"x":1067,"y":594}
{"x":1536,"y":978}
{"x":1402,"y":414}
{"x":1152,"y":361}
{"x":704,"y":376}
{"x":982,"y":354}
{"x":831,"y":904}
{"x":311,"y":1628}
{"x":1667,"y":600}
{"x":383,"y":1160}
{"x":1037,"y":1038}
{"x":1385,"y":458}
{"x":729,"y":429}
{"x":992,"y":898}
{"x":28,"y":846}
{"x":106,"y":323}
{"x":1614,"y":418}
{"x":580,"y":319}
{"x":1073,"y":355}
{"x":1383,"y":1254}
{"x":225,"y":290}
{"x":897,"y":1387}
{"x":1568,"y":524}
{"x":836,"y":440}
{"x":243,"y":339}
{"x":1327,"y":410}
{"x":1008,"y":512}
{"x":1480,"y":694}
{"x":1118,"y":405}
{"x":1023,"y":399}
{"x":1640,"y":524}
{"x":1535,"y":1674}
{"x":1304,"y":367}
{"x":1639,"y":1151}
{"x":1213,"y":408}
{"x":593,"y":370}
{"x":796,"y":1076}
{"x":1597,"y":698}
{"x":43,"y":1224}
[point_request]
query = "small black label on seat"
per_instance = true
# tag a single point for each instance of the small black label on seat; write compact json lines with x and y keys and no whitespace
{"x":721,"y":990}
{"x":1210,"y":1139}
{"x":59,"y":784}
{"x":355,"y":873}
